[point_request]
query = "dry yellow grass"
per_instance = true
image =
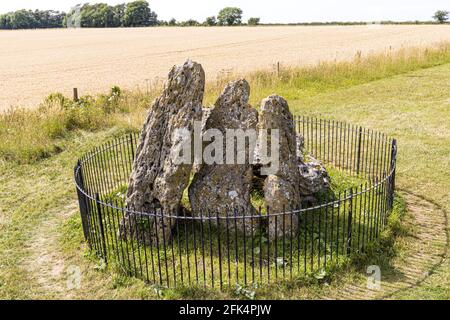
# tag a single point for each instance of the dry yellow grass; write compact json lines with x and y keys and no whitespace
{"x":36,"y":63}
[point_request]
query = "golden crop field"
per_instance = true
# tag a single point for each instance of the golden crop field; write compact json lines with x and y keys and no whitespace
{"x":34,"y":63}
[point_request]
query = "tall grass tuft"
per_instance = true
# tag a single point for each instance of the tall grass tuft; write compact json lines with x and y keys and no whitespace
{"x":297,"y":82}
{"x":27,"y":136}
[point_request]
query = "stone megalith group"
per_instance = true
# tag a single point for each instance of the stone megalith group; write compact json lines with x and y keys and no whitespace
{"x":219,"y":186}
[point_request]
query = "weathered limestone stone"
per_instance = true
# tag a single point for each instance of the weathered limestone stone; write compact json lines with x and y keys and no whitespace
{"x":223,"y":187}
{"x":314,"y":176}
{"x":205,"y":115}
{"x":156,"y":180}
{"x":281,"y":188}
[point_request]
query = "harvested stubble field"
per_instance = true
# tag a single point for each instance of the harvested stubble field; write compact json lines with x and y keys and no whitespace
{"x":35,"y":63}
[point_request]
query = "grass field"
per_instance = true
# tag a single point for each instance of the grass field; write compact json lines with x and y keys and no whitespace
{"x":404,"y":95}
{"x":35,"y":63}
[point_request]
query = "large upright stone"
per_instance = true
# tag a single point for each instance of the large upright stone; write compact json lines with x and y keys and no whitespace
{"x":157,"y":180}
{"x":282,"y":186}
{"x":222,"y":187}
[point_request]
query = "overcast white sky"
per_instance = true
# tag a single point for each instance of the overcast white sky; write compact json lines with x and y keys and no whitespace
{"x":269,"y":10}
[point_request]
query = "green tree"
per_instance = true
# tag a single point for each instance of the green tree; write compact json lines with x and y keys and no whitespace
{"x":138,"y":14}
{"x":27,"y":19}
{"x":253,"y":21}
{"x":5,"y":21}
{"x":210,"y":21}
{"x":230,"y":16}
{"x":118,"y":14}
{"x":190,"y":23}
{"x":441,"y":16}
{"x":23,"y":19}
{"x":172,"y":22}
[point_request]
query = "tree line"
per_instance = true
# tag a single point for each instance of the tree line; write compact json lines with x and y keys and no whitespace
{"x":132,"y":14}
{"x":28,"y":19}
{"x":102,"y":15}
{"x":99,"y":15}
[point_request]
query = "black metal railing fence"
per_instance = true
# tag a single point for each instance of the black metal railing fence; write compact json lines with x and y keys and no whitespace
{"x":219,"y":249}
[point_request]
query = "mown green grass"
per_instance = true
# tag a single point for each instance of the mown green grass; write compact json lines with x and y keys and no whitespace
{"x":410,"y":102}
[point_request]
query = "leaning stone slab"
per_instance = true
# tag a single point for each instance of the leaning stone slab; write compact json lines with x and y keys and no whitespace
{"x":157,"y":181}
{"x":220,"y":185}
{"x":281,"y":186}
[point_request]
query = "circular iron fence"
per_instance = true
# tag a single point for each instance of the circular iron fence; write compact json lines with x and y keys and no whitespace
{"x":213,"y":249}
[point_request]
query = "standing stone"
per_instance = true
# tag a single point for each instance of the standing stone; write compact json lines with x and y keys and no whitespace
{"x":222,"y":187}
{"x":157,"y":181}
{"x":281,"y":188}
{"x":314,"y":177}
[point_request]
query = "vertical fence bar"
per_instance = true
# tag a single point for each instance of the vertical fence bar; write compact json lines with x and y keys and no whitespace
{"x":126,"y":233}
{"x":210,"y":248}
{"x":195,"y":249}
{"x":359,"y":214}
{"x":219,"y":249}
{"x":260,"y":244}
{"x":174,"y":213}
{"x":136,"y":233}
{"x":228,"y":247}
{"x":305,"y":241}
{"x":102,"y":231}
{"x":253,"y":246}
{"x":290,"y":243}
{"x":163,"y":227}
{"x":275,"y":260}
{"x":337,"y":226}
{"x":350,"y":220}
{"x":358,"y":154}
{"x":393,"y":169}
{"x":177,"y":228}
{"x":158,"y":249}
{"x":81,"y":201}
{"x":236,"y":248}
{"x":202,"y":232}
{"x":245,"y":248}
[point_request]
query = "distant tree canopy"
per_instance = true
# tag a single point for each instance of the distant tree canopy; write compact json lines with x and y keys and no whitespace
{"x":138,"y":14}
{"x":189,"y":23}
{"x":102,"y":15}
{"x":230,"y":16}
{"x":210,"y":21}
{"x":441,"y":16}
{"x":99,"y":15}
{"x":253,"y":21}
{"x":28,"y":19}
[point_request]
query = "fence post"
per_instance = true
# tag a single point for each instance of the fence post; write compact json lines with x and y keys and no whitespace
{"x":102,"y":230}
{"x":358,"y":162}
{"x":132,"y":145}
{"x":75,"y":94}
{"x":350,"y":220}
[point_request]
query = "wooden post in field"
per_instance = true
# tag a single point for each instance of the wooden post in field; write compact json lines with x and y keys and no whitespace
{"x":75,"y":94}
{"x":278,"y":68}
